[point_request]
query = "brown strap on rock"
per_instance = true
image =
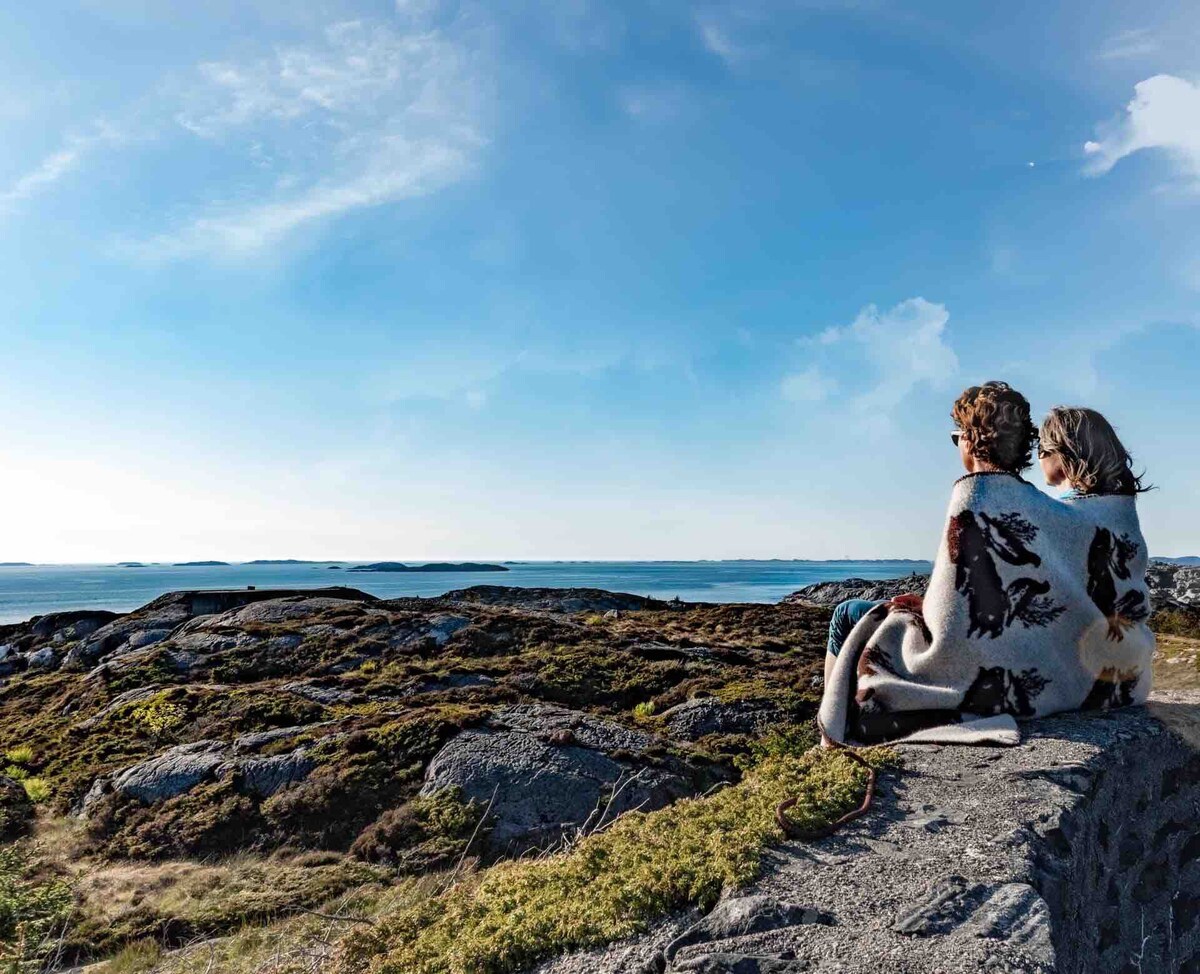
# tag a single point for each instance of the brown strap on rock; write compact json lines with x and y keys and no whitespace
{"x":793,"y":832}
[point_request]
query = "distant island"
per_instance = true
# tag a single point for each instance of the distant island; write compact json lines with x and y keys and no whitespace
{"x":16,"y":564}
{"x":130,"y":564}
{"x":1190,"y":560}
{"x":395,"y":566}
{"x":201,"y":564}
{"x":286,"y":561}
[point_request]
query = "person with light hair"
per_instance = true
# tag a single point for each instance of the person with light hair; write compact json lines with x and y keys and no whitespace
{"x":1079,"y":447}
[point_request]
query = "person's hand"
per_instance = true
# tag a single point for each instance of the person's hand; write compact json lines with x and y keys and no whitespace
{"x":909,"y":603}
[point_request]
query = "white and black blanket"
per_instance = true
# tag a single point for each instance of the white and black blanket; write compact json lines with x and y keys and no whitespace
{"x":1035,"y":606}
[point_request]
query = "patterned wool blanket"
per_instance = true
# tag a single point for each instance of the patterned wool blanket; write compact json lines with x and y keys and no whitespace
{"x":1035,"y":605}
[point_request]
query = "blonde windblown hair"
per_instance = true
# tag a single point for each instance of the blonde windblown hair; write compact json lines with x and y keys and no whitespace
{"x":1094,"y":457}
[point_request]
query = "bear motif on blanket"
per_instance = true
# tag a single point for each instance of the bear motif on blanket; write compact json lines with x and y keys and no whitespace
{"x":1035,"y":606}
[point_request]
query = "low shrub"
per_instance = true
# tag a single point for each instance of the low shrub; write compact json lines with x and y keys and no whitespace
{"x":423,"y":834}
{"x":31,"y":911}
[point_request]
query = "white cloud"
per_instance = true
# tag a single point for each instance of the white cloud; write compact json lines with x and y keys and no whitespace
{"x":63,"y":160}
{"x":811,"y":385}
{"x":1130,"y":44}
{"x":716,"y":39}
{"x":367,"y":115}
{"x":1164,"y":114}
{"x":906,"y":345}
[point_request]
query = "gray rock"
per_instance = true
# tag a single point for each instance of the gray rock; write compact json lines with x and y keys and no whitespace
{"x":875,"y":589}
{"x":172,"y":773}
{"x":741,"y":915}
{"x":42,"y":659}
{"x":208,"y":643}
{"x":275,"y":611}
{"x":147,"y":637}
{"x":545,"y":773}
{"x":257,"y":741}
{"x":451,"y":682}
{"x":693,"y":719}
{"x":6,"y":650}
{"x":323,"y":695}
{"x":443,"y":627}
{"x":263,"y":777}
{"x":1178,"y":584}
{"x":743,"y":964}
{"x":182,"y":768}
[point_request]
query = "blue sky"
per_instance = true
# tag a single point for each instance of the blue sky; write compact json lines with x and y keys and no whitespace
{"x":577,"y":279}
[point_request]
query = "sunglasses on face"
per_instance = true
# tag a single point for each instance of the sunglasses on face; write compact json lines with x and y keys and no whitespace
{"x":955,"y":436}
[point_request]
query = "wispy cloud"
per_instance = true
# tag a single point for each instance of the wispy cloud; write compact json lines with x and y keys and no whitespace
{"x":56,"y":164}
{"x":905,"y":347}
{"x":808,"y":385}
{"x":365,"y":115}
{"x":715,"y":35}
{"x":1164,"y":114}
{"x":1135,"y":43}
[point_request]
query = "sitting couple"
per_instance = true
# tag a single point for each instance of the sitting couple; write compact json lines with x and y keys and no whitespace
{"x":1035,"y":605}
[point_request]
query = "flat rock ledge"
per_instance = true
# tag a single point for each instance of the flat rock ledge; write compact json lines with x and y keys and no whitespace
{"x":1077,"y":852}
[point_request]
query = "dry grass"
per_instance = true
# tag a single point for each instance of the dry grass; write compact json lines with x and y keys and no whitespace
{"x":1177,"y":663}
{"x":302,"y":943}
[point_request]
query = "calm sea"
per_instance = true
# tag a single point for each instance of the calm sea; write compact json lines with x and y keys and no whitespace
{"x":26,"y":592}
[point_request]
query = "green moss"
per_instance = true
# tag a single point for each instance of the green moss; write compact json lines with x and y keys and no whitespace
{"x":613,"y":884}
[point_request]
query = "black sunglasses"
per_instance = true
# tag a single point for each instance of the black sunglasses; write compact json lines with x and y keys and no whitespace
{"x":955,"y":437}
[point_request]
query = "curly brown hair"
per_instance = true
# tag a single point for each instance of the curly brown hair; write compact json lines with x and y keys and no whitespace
{"x":994,"y":420}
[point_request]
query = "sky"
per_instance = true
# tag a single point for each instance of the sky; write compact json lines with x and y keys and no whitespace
{"x":578,"y":278}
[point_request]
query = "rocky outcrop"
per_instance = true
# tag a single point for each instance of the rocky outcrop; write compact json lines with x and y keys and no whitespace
{"x":84,"y":638}
{"x":831,"y":593}
{"x":181,"y":768}
{"x":1076,"y":852}
{"x":565,"y":600}
{"x":1173,"y":584}
{"x":1170,"y":585}
{"x":701,"y":716}
{"x":546,"y":773}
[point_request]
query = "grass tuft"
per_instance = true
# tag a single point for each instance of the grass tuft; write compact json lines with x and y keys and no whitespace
{"x":21,"y":756}
{"x":37,"y":790}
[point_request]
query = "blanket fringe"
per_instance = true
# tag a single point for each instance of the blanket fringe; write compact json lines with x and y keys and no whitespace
{"x":793,"y":832}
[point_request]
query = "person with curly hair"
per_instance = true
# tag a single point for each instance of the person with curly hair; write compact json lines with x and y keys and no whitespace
{"x":994,"y":434}
{"x":993,"y":430}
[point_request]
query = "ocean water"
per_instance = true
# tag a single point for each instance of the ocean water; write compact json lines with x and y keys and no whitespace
{"x":26,"y":592}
